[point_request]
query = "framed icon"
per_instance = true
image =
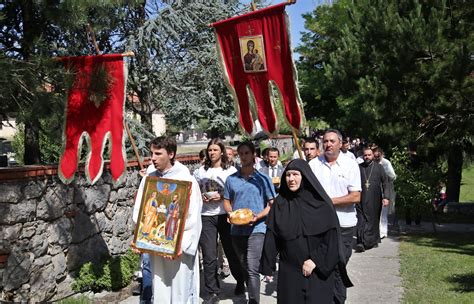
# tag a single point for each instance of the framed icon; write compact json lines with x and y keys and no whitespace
{"x":252,"y":51}
{"x":162,"y":216}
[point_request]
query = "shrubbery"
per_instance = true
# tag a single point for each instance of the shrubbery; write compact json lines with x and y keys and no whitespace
{"x":415,"y":188}
{"x":112,"y":273}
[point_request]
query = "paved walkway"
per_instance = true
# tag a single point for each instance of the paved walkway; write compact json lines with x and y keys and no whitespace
{"x":375,"y":274}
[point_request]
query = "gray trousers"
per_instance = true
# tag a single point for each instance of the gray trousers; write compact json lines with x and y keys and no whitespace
{"x":249,"y":250}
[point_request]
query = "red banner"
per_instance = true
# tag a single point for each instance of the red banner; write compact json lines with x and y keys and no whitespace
{"x":95,"y":121}
{"x":255,"y":50}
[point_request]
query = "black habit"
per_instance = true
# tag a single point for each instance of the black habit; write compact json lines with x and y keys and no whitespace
{"x":303,"y":225}
{"x":375,"y":187}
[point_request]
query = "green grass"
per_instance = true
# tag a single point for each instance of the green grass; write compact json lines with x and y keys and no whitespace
{"x":467,"y":185}
{"x":438,"y":268}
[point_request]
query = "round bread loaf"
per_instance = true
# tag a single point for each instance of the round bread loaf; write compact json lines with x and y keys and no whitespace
{"x":241,"y":216}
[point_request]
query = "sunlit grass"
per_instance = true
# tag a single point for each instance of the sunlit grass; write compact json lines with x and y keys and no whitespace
{"x":438,"y":268}
{"x":467,"y":185}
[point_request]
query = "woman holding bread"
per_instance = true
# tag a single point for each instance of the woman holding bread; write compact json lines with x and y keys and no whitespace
{"x":303,"y":228}
{"x":211,"y":178}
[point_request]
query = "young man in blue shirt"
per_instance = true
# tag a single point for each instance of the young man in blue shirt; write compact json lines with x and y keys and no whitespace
{"x":248,"y":188}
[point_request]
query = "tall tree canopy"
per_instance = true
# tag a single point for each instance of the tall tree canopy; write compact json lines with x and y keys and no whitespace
{"x":395,"y":71}
{"x":33,"y":85}
{"x":175,"y":69}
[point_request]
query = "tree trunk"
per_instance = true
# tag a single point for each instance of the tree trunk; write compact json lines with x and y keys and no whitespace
{"x":147,"y":121}
{"x":32,"y":147}
{"x":455,"y":161}
{"x":32,"y":125}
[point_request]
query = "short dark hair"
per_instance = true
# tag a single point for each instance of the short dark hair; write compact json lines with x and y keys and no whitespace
{"x":273,"y":149}
{"x":247,"y":144}
{"x":365,"y":148}
{"x":378,"y":149}
{"x":165,"y":142}
{"x":202,"y":154}
{"x":311,"y":140}
{"x":338,"y":133}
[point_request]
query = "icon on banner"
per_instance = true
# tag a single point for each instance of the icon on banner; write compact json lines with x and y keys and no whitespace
{"x":253,"y":54}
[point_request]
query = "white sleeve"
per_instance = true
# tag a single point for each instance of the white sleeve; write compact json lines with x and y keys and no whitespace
{"x":354,"y":176}
{"x":138,"y":199}
{"x":390,"y":172}
{"x":193,"y":225}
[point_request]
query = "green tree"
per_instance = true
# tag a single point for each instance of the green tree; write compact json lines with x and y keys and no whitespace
{"x":33,"y":85}
{"x":396,"y":71}
{"x":176,"y":68}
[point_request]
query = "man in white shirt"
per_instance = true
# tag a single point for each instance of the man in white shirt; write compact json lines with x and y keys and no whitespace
{"x":345,"y":149}
{"x":310,"y":148}
{"x":340,"y":178}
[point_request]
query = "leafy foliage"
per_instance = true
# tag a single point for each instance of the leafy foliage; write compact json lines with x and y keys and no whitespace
{"x":415,"y":188}
{"x":112,"y":273}
{"x":176,"y":68}
{"x":31,"y":32}
{"x":394,"y":72}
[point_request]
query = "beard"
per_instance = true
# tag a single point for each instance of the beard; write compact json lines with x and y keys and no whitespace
{"x":368,"y":161}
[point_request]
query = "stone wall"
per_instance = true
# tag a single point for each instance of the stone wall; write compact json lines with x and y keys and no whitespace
{"x":49,"y":229}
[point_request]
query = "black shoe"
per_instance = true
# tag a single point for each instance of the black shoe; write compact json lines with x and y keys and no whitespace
{"x":212,"y":299}
{"x":359,"y":248}
{"x":252,"y":301}
{"x":239,"y":289}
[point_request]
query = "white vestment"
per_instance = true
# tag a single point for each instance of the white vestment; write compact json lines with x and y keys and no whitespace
{"x":177,"y":281}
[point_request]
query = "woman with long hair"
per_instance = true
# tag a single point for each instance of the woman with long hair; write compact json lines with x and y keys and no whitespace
{"x":211,"y":178}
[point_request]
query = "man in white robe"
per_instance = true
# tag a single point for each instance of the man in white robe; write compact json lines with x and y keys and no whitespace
{"x":175,"y":280}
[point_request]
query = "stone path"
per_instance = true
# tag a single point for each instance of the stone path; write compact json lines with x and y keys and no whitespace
{"x":375,"y":274}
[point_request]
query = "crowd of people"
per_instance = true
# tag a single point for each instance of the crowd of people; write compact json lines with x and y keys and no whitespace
{"x":307,"y":216}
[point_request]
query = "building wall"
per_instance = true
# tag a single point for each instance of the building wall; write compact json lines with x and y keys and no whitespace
{"x":159,"y":124}
{"x":6,"y":131}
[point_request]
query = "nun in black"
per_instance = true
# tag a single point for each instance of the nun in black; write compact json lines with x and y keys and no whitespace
{"x":303,"y":227}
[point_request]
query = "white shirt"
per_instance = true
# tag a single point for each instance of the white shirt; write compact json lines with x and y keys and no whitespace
{"x":387,"y":166}
{"x":349,"y":154}
{"x":213,"y":179}
{"x":177,"y":280}
{"x":338,"y":180}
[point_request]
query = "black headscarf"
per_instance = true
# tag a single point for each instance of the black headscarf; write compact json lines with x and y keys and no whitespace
{"x":302,"y":212}
{"x":307,"y":211}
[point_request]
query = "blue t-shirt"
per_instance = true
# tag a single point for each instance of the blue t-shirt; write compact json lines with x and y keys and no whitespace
{"x":252,"y":193}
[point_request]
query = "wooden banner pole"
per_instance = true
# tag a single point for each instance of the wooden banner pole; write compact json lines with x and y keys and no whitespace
{"x":295,"y":138}
{"x":126,"y":54}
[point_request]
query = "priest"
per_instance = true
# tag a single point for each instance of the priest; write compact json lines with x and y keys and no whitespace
{"x":376,"y":193}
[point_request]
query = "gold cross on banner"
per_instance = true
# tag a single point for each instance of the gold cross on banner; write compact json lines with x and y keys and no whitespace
{"x":277,"y":46}
{"x":250,"y":30}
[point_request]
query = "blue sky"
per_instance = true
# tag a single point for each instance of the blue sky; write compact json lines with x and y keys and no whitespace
{"x":295,"y":11}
